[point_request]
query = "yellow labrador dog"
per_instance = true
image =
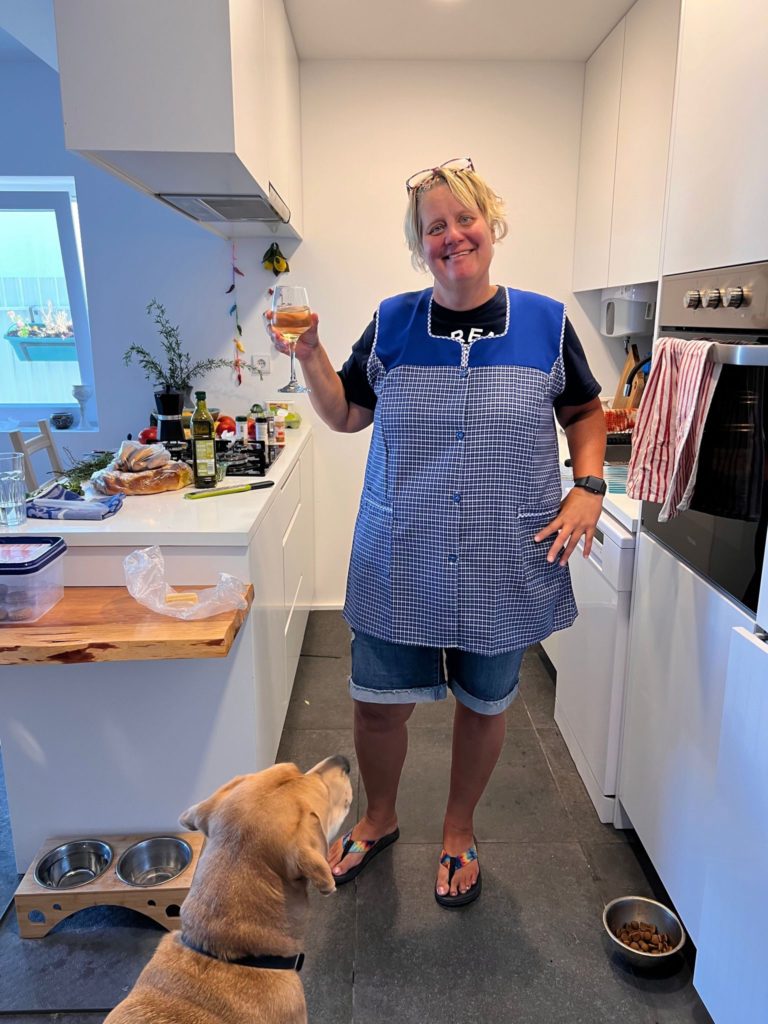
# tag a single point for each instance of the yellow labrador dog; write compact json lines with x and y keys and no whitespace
{"x":238,"y":953}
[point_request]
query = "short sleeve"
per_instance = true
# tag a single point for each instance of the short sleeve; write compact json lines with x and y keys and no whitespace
{"x":580,"y":386}
{"x":354,"y":373}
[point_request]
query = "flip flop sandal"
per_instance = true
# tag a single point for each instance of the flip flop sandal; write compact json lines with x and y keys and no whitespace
{"x":461,"y":899}
{"x":369,"y":847}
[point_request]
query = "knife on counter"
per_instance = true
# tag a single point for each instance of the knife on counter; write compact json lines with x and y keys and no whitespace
{"x":214,"y":492}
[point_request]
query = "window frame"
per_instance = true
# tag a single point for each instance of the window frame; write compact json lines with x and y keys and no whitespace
{"x":58,"y":198}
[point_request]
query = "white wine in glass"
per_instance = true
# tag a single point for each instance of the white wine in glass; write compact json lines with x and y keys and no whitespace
{"x":292,"y":317}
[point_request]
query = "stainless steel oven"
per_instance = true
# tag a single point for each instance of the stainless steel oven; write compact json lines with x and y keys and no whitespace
{"x":722,"y":535}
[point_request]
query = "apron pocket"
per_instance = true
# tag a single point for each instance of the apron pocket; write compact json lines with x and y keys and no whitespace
{"x":372,"y":542}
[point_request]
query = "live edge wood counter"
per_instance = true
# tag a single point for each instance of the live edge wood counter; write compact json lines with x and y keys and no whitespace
{"x":106,"y":624}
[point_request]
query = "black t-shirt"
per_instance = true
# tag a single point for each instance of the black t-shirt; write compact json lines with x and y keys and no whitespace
{"x":467,"y":325}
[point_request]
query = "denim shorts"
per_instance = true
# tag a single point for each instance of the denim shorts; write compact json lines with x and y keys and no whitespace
{"x":387,"y":673}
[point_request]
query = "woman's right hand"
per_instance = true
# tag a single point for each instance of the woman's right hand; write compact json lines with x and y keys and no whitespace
{"x":305,"y":345}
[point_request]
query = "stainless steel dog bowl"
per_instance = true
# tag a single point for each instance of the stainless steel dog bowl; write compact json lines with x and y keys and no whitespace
{"x":152,"y":861}
{"x":637,"y":908}
{"x":74,"y":863}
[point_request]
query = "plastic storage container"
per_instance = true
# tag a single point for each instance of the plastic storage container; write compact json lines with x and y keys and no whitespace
{"x":31,"y":577}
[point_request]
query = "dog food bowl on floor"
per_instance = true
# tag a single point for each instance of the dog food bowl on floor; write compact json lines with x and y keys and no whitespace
{"x":153,"y":861}
{"x":74,"y":863}
{"x":637,"y":910}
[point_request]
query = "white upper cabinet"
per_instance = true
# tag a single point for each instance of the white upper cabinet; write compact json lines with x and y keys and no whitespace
{"x":597,"y":159}
{"x":647,"y":89}
{"x":284,"y":108}
{"x":717,"y":209}
{"x":624,"y":148}
{"x":182,"y":99}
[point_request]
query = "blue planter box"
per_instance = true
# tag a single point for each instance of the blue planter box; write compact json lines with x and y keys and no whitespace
{"x":36,"y":349}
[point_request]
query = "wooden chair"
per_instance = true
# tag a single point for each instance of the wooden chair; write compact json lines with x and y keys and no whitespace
{"x":35,"y":444}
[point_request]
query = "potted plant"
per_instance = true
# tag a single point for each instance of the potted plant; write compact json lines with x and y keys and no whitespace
{"x":48,"y":335}
{"x":173,"y":377}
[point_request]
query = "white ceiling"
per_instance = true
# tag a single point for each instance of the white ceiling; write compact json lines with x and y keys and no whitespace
{"x":452,"y":29}
{"x":413,"y":29}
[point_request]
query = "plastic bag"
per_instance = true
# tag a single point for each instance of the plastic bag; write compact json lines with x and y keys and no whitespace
{"x":145,"y":580}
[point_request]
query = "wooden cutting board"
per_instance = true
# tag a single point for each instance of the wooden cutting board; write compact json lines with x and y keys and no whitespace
{"x":620,"y":401}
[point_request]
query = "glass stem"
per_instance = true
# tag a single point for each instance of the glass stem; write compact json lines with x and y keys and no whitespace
{"x":293,"y":363}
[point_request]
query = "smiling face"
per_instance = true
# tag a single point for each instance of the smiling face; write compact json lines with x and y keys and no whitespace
{"x":458,"y":249}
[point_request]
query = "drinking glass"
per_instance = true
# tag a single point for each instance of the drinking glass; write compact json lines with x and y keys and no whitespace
{"x":291,"y":316}
{"x":13,"y":505}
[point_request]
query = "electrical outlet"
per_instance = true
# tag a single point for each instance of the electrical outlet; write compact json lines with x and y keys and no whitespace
{"x":262,"y":362}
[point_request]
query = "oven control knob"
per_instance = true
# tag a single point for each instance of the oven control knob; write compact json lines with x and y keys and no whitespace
{"x":692,"y":299}
{"x":734,"y":297}
{"x":711,"y":298}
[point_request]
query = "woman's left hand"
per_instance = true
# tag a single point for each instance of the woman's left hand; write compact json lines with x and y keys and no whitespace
{"x":577,"y":518}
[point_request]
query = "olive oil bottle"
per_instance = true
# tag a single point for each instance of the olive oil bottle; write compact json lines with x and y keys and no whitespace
{"x":203,"y":443}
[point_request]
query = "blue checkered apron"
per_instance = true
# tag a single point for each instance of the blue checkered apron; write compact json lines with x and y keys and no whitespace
{"x":462,"y":472}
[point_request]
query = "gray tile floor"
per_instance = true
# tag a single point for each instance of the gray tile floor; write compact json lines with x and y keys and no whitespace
{"x":531,"y":950}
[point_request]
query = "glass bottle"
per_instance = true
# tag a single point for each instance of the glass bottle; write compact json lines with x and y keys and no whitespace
{"x":203,"y":443}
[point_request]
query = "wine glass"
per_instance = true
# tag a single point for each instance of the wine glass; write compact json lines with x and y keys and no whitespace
{"x":291,"y":316}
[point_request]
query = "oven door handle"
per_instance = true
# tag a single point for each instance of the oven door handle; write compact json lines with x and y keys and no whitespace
{"x":739,"y":355}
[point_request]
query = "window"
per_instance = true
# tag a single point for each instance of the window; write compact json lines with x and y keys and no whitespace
{"x":45,"y":344}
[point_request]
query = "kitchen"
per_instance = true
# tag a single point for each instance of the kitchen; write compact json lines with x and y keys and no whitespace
{"x":134,"y":248}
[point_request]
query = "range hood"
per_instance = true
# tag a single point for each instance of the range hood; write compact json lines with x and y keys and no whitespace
{"x":231,"y":209}
{"x":175,"y":99}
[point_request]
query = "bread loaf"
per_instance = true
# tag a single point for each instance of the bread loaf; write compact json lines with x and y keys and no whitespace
{"x":170,"y":477}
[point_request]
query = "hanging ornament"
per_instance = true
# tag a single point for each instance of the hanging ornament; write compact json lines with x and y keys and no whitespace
{"x":237,"y":362}
{"x":274,"y":260}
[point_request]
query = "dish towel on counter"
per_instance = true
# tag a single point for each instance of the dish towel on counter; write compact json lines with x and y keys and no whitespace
{"x":670,"y":424}
{"x":54,"y":501}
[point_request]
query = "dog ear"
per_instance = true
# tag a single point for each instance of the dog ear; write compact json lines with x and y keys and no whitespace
{"x":197,"y":817}
{"x":312,"y":854}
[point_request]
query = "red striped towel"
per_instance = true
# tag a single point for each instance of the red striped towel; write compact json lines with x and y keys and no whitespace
{"x":670,"y":422}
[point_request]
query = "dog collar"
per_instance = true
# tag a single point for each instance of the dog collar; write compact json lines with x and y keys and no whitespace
{"x":272,"y":963}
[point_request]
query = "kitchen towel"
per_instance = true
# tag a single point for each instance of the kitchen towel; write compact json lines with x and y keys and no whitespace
{"x":670,"y":423}
{"x":54,"y":501}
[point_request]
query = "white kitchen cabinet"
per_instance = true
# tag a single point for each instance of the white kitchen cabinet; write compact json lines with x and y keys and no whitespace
{"x":284,"y":109}
{"x":647,"y":89}
{"x":679,"y":636}
{"x":188,"y":98}
{"x":730,"y":973}
{"x":591,"y":671}
{"x":597,"y":160}
{"x":717,"y":207}
{"x":626,"y":118}
{"x":222,"y":717}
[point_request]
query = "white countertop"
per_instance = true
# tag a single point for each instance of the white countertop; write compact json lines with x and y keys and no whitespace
{"x":625,"y":510}
{"x":168,"y":519}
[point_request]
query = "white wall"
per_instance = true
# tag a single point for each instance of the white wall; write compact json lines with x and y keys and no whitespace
{"x":135,"y":249}
{"x":366,"y":126}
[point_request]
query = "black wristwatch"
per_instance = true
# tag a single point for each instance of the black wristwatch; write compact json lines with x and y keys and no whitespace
{"x":593,"y":484}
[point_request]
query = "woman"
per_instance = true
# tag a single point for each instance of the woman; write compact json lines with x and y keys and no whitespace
{"x":449,"y":579}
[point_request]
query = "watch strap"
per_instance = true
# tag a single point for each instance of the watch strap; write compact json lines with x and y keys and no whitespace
{"x":595,"y":484}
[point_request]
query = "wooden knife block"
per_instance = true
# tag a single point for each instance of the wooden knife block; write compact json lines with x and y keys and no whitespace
{"x":631,"y":401}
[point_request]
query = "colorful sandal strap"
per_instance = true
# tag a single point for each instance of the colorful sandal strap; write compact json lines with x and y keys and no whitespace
{"x":350,"y":845}
{"x":460,"y":861}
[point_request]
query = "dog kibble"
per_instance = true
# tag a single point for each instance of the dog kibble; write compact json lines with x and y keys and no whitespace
{"x":643,"y":937}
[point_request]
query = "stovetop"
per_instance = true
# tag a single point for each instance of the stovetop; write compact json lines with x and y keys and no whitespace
{"x":240,"y":459}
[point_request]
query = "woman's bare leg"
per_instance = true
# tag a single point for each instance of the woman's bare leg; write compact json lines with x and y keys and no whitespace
{"x":381,"y":742}
{"x":477,"y":743}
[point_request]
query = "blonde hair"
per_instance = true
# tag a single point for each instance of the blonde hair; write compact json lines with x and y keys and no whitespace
{"x":470,"y":190}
